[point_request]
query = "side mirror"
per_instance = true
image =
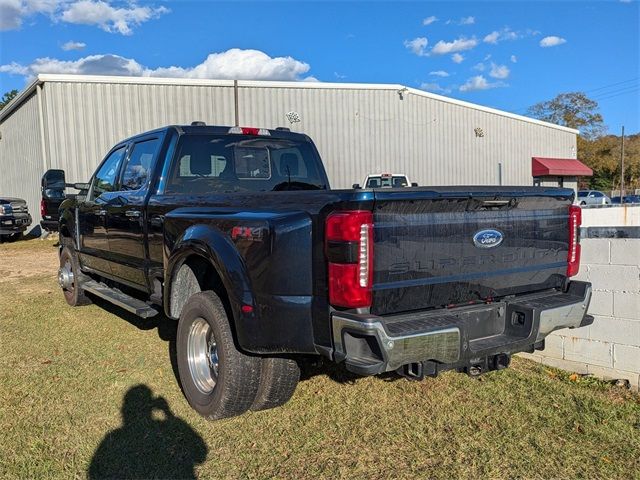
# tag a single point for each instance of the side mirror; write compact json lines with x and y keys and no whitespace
{"x":53,"y":184}
{"x":414,"y":184}
{"x":53,"y":179}
{"x":356,"y":186}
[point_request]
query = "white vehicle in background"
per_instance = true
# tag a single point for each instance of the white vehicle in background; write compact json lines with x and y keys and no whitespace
{"x":592,"y":197}
{"x":386,"y":180}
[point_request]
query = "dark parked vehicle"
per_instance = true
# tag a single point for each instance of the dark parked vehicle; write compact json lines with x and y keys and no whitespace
{"x":53,"y":193}
{"x":234,"y":233}
{"x":14,"y":218}
{"x":627,"y":199}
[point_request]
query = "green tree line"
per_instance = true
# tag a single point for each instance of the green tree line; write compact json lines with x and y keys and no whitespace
{"x":596,"y":148}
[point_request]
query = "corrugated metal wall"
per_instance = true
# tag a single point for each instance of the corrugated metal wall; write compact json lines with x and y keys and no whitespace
{"x":84,"y":120}
{"x":358,"y":130}
{"x":21,"y":163}
{"x":361,"y":131}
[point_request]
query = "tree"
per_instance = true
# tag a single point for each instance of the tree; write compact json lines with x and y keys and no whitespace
{"x":573,"y":110}
{"x":7,"y":97}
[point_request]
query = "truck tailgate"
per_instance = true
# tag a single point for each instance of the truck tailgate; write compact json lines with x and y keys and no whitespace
{"x":425,"y":254}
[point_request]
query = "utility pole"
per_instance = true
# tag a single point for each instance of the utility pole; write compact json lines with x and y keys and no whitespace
{"x":622,"y":169}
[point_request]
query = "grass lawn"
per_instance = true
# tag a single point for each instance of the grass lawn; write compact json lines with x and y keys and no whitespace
{"x":90,"y":388}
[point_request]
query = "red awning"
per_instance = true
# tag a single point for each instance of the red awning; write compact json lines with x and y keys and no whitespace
{"x":559,"y":167}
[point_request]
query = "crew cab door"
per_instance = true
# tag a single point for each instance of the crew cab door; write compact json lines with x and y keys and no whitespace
{"x":126,"y":213}
{"x":92,"y":213}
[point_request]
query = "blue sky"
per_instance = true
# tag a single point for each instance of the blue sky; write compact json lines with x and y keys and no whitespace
{"x":506,"y":55}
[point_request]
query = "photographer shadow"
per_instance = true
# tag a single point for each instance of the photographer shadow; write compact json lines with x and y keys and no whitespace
{"x":151,"y":443}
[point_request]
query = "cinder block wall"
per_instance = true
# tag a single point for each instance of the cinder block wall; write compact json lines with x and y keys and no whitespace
{"x":610,"y":348}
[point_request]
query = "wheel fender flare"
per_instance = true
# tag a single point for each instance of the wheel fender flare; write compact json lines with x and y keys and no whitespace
{"x":215,"y":246}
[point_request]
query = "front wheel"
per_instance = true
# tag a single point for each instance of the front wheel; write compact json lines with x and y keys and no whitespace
{"x":218,"y":380}
{"x":68,"y":278}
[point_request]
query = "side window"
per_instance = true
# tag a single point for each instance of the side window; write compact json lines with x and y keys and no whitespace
{"x":598,"y":194}
{"x":373,"y":182}
{"x":137,"y":170}
{"x":105,"y":179}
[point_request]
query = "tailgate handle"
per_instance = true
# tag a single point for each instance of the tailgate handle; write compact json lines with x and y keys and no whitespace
{"x":495,"y":203}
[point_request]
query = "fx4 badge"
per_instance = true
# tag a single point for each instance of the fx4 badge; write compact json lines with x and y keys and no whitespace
{"x":247,"y":233}
{"x":487,"y":238}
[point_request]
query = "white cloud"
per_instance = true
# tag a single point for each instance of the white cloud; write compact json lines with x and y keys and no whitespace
{"x":552,"y":41}
{"x":109,"y":18}
{"x":467,"y":21}
{"x":479,"y":67}
{"x":499,"y":71}
{"x":500,"y":35}
{"x":439,"y":73}
{"x":479,"y":83}
{"x":514,"y":59}
{"x":71,"y":45}
{"x":87,"y":12}
{"x":339,"y":76}
{"x":457,"y":58}
{"x":492,"y":37}
{"x":429,"y":20}
{"x":434,"y":87}
{"x":232,"y":64}
{"x":459,"y":45}
{"x":417,"y":45}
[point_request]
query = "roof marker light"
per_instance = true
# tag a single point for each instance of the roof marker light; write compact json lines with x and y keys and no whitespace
{"x":250,"y":131}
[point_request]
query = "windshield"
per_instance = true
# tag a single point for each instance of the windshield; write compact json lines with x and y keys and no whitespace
{"x":236,"y":163}
{"x":395,"y":181}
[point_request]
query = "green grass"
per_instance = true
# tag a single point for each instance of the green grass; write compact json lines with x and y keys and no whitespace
{"x":64,"y":373}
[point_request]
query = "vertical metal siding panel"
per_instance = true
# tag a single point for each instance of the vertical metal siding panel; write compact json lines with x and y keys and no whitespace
{"x":84,"y":120}
{"x":21,"y":163}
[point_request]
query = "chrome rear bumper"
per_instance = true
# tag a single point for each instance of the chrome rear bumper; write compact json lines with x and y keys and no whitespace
{"x":370,"y":344}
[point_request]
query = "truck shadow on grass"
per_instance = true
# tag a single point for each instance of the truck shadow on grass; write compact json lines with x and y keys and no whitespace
{"x":151,"y":443}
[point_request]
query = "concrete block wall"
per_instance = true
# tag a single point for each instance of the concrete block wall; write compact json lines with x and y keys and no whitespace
{"x":610,"y":347}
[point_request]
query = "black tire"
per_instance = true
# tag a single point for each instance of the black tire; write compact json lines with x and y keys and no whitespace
{"x":278,"y":381}
{"x":74,"y":295}
{"x":234,"y":377}
{"x":15,"y":237}
{"x":583,"y":203}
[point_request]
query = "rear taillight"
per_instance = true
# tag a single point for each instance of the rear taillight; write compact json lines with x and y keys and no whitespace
{"x":43,"y":208}
{"x":349,"y":247}
{"x":573,"y":257}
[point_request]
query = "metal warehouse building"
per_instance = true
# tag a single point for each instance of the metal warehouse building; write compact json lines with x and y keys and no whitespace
{"x":70,"y":122}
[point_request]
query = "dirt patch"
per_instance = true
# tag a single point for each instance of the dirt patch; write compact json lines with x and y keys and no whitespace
{"x":28,"y":258}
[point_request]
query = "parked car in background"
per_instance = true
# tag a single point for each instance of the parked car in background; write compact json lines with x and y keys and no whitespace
{"x":592,"y":197}
{"x":627,"y":199}
{"x":14,"y":218}
{"x":386,"y":180}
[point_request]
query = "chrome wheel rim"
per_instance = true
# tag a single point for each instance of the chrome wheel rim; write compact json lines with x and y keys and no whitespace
{"x":202,"y":356}
{"x":65,"y":276}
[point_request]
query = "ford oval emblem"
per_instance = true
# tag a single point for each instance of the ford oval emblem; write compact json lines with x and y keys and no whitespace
{"x":487,"y":238}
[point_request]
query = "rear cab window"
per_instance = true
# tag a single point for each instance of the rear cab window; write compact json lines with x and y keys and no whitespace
{"x":387,"y":181}
{"x":242,"y":163}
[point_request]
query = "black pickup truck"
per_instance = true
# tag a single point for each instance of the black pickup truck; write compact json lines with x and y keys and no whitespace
{"x":14,"y":218}
{"x":234,"y":233}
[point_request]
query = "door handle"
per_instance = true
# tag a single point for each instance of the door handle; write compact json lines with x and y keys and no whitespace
{"x":100,"y":213}
{"x":133,"y":213}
